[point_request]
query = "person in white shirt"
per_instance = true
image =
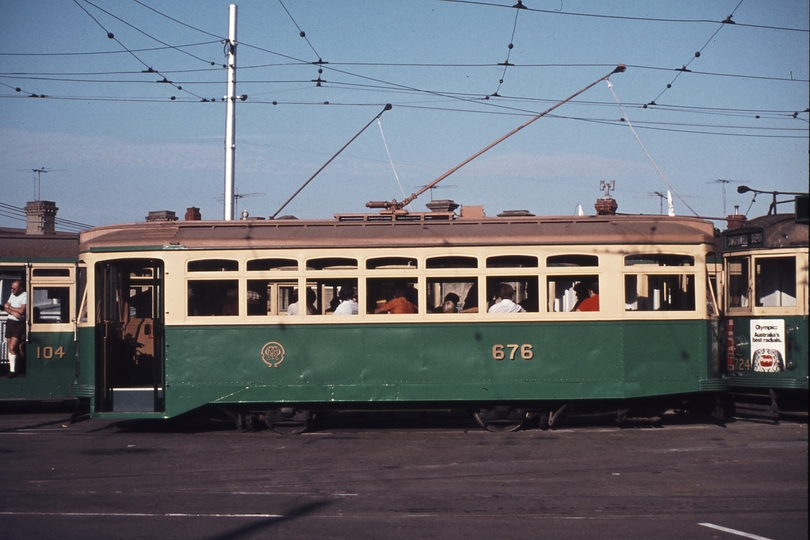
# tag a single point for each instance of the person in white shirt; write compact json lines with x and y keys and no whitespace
{"x":15,"y":324}
{"x":348,"y":301}
{"x":504,"y":302}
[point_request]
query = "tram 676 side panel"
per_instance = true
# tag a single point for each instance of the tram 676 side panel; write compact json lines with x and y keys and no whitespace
{"x":247,"y":315}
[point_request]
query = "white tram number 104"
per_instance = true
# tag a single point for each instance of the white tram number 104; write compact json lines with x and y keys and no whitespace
{"x":510,"y":350}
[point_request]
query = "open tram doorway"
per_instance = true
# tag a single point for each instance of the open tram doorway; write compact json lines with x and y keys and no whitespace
{"x":129,"y":336}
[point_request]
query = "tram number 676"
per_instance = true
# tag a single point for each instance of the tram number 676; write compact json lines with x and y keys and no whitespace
{"x":500,"y":351}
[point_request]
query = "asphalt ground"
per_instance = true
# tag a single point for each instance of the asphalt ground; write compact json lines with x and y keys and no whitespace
{"x":399,"y":476}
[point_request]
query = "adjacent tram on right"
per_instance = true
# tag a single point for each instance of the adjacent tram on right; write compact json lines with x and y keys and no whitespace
{"x":766,"y":274}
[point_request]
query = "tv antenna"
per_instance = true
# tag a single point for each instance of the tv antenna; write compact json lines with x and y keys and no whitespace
{"x":724,"y":183}
{"x":38,"y":176}
{"x":661,"y":197}
{"x":237,"y":196}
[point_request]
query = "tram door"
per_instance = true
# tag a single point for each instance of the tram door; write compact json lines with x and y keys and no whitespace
{"x":129,"y":336}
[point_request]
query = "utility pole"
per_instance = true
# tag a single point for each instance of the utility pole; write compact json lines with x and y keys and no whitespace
{"x":230,"y":122}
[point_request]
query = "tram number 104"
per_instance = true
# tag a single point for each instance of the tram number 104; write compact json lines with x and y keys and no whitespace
{"x":510,"y":350}
{"x":49,"y":352}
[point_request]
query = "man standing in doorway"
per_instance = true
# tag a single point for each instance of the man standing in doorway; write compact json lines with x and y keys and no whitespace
{"x":15,"y":325}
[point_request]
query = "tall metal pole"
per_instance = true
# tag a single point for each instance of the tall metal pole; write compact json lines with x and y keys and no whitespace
{"x":230,"y":122}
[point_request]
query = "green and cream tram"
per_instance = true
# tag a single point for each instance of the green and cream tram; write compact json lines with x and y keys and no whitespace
{"x":184,"y":314}
{"x":766,"y":265}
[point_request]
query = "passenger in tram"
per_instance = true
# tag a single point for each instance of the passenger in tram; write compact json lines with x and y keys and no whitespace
{"x":592,"y":302}
{"x":293,"y":308}
{"x":348,"y":301}
{"x":503,"y":300}
{"x":449,"y":304}
{"x":581,"y":290}
{"x":399,"y":304}
{"x":471,"y":301}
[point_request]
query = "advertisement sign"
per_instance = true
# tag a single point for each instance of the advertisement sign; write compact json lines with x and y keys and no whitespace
{"x":768,"y":345}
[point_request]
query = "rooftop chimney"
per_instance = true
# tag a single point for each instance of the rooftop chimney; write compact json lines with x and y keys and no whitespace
{"x":735,"y":220}
{"x":161,"y":215}
{"x":193,"y":214}
{"x":607,"y":205}
{"x":442,"y":205}
{"x":40,"y":217}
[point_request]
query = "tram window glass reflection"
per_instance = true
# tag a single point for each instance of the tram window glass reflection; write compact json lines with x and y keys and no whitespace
{"x":382,"y":263}
{"x":451,"y":261}
{"x":566,"y":293}
{"x":650,"y":292}
{"x":393,"y":293}
{"x":51,"y":305}
{"x":658,"y":259}
{"x":738,"y":283}
{"x":775,"y":282}
{"x":512,"y":261}
{"x":213,"y":265}
{"x":268,"y":297}
{"x":525,"y":287}
{"x":463,"y":292}
{"x":572,"y":260}
{"x":332,"y":263}
{"x":265,"y":265}
{"x":213,"y":298}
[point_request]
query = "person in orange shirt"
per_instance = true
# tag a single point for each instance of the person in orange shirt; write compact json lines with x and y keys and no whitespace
{"x":592,"y":302}
{"x":398,"y":304}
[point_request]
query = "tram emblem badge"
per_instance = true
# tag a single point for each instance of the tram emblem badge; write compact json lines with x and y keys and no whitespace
{"x":272,"y":354}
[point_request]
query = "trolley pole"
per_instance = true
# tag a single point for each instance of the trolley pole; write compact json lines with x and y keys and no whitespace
{"x":230,"y":122}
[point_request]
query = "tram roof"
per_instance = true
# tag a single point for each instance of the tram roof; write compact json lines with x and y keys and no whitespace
{"x":15,"y":244}
{"x":293,"y":233}
{"x":780,"y":230}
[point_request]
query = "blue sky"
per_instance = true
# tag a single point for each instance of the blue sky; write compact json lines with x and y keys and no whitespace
{"x":118,"y":146}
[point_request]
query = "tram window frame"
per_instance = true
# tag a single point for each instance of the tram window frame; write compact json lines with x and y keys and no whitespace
{"x":738,"y":283}
{"x":657,"y":292}
{"x":329,"y":289}
{"x":380,"y":290}
{"x":274,"y":294}
{"x":512,"y":261}
{"x":568,"y":302}
{"x":211,"y":298}
{"x":782,"y":288}
{"x":526,"y":287}
{"x":466,"y":287}
{"x":659,"y":259}
{"x":50,"y":293}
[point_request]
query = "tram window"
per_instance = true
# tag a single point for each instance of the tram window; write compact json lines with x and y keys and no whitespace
{"x":395,"y":295}
{"x":264,"y":265}
{"x":331,"y":263}
{"x":51,"y":272}
{"x":452,"y":261}
{"x":738,"y":283}
{"x":328,"y":294}
{"x":572,"y":260}
{"x":512,"y":261}
{"x":649,"y":292}
{"x":266,"y":297}
{"x":213,"y":298}
{"x":382,"y":263}
{"x":462,"y":292}
{"x":775,"y":282}
{"x":566,"y":293}
{"x":213,"y":265}
{"x":659,"y":260}
{"x":525,"y":287}
{"x":51,"y":305}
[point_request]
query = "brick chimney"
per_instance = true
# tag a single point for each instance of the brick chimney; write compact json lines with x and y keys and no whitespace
{"x":40,"y":217}
{"x":735,"y":220}
{"x":193,"y":214}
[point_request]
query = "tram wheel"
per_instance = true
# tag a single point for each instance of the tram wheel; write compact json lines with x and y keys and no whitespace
{"x":288,"y":421}
{"x":501,"y":418}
